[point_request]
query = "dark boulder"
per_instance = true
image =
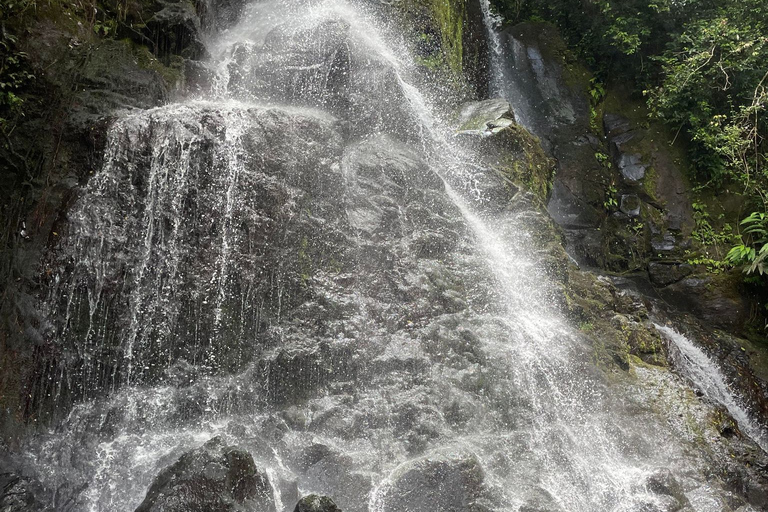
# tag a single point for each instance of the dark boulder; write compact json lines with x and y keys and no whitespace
{"x":714,"y":298}
{"x":175,"y":30}
{"x":664,"y":274}
{"x":663,"y":483}
{"x":212,"y":478}
{"x":315,"y":503}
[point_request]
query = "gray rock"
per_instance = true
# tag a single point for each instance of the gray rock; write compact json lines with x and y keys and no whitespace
{"x":664,"y":274}
{"x":630,"y":205}
{"x":315,"y":503}
{"x":17,"y":495}
{"x":663,"y":483}
{"x":448,"y":485}
{"x":324,"y":66}
{"x":615,"y":124}
{"x":717,"y":302}
{"x":212,"y":478}
{"x":631,"y":167}
{"x":175,"y":29}
{"x":569,"y":211}
{"x":485,"y":117}
{"x":664,"y":243}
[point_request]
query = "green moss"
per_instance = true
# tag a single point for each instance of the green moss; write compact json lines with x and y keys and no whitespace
{"x":172,"y":74}
{"x":526,"y":164}
{"x":449,"y":16}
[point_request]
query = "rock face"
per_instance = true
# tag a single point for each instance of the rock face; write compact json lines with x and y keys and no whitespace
{"x":213,"y":478}
{"x":17,"y":496}
{"x":84,"y":74}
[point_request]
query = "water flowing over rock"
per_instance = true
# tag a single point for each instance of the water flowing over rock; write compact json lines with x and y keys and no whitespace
{"x":316,"y":279}
{"x":212,"y":478}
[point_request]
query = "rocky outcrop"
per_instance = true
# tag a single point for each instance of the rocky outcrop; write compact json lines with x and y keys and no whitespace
{"x":513,"y":157}
{"x":215,"y":478}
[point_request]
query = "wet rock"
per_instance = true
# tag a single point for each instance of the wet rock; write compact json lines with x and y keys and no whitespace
{"x":324,"y":66}
{"x":615,"y":124}
{"x":663,"y":483}
{"x":324,"y":467}
{"x":485,"y":117}
{"x":630,"y":205}
{"x":175,"y":30}
{"x":664,"y":243}
{"x":315,"y":503}
{"x":631,"y":167}
{"x":619,"y":143}
{"x":448,"y":485}
{"x":199,"y":78}
{"x":212,"y":478}
{"x":540,"y":500}
{"x":664,"y":274}
{"x":295,"y":373}
{"x":221,"y":14}
{"x":109,"y":80}
{"x":569,"y":211}
{"x":17,"y":495}
{"x":715,"y":299}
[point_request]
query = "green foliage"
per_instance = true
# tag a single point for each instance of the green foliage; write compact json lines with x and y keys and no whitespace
{"x":611,"y":202}
{"x":596,"y":95}
{"x":705,"y":233}
{"x":753,"y":250}
{"x":14,"y":73}
{"x":713,"y":86}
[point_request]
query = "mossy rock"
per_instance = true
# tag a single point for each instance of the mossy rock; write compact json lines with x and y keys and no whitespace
{"x":449,"y":36}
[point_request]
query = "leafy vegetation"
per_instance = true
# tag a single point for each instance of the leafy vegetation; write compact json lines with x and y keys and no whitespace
{"x":753,"y":251}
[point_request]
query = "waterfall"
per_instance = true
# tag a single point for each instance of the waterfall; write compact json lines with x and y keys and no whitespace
{"x":709,"y":379}
{"x":302,"y":262}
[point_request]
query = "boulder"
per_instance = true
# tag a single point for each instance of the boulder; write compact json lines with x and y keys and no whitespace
{"x":631,"y":167}
{"x":315,"y":503}
{"x":175,"y":30}
{"x":713,"y":298}
{"x":664,"y":274}
{"x":485,"y":117}
{"x":630,"y":205}
{"x":212,"y":478}
{"x":663,"y":483}
{"x":447,"y":484}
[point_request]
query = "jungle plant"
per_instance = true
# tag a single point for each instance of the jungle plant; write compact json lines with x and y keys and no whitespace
{"x":753,"y":251}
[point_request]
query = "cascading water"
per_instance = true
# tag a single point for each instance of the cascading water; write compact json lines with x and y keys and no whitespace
{"x":300,"y":264}
{"x":710,"y":380}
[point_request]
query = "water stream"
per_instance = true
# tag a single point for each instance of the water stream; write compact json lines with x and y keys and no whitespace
{"x":299,"y":261}
{"x":710,"y":381}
